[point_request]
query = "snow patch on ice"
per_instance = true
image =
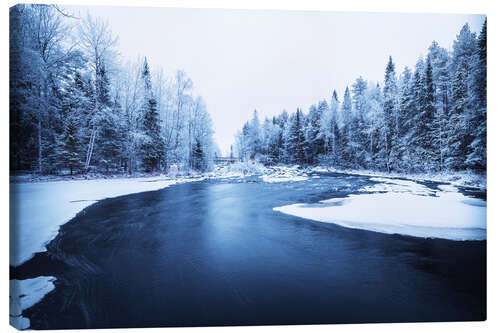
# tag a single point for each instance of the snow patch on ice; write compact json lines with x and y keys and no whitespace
{"x":239,"y":169}
{"x":280,"y":174}
{"x":24,"y":294}
{"x":403,"y":208}
{"x":397,"y":186}
{"x":282,"y":178}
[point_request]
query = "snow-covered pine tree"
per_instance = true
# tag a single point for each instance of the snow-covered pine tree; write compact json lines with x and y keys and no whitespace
{"x":440,"y":61}
{"x":282,"y":122}
{"x":152,"y":147}
{"x":297,"y":140}
{"x":197,"y":155}
{"x":390,"y":102}
{"x":414,"y":113}
{"x":254,"y":140}
{"x":426,"y":136}
{"x":346,"y":152}
{"x":333,"y":131}
{"x":109,"y":137}
{"x":376,"y":129}
{"x":402,"y":160}
{"x":476,"y":158}
{"x":266,"y":137}
{"x":459,"y":131}
{"x":315,"y":140}
{"x":69,"y":148}
{"x":456,"y":131}
{"x":359,"y":130}
{"x":321,"y":137}
{"x":275,"y":141}
{"x":243,"y":144}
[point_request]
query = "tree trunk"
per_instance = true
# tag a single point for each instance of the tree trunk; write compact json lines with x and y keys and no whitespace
{"x":39,"y":142}
{"x":90,"y":148}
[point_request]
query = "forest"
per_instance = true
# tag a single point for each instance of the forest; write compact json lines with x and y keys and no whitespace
{"x":431,"y":118}
{"x":77,"y":107}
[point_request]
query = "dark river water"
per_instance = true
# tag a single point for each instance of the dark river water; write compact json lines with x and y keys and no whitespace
{"x":215,"y":253}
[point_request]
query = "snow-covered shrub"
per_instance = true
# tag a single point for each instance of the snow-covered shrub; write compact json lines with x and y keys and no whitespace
{"x":248,"y":167}
{"x":173,"y":171}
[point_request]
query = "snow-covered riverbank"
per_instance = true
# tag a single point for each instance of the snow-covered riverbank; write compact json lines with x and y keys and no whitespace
{"x":462,"y":178}
{"x":405,"y":207}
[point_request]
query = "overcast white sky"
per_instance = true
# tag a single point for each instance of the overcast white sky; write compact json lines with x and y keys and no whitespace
{"x":241,"y":60}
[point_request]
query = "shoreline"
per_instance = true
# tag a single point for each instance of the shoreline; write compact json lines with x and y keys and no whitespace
{"x":244,"y":169}
{"x":464,"y":179}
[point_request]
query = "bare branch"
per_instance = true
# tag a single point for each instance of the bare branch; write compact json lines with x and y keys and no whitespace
{"x":63,"y":13}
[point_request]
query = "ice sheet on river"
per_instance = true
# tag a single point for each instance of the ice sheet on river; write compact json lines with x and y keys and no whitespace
{"x":402,"y":207}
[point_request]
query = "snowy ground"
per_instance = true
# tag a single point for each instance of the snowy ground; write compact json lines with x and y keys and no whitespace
{"x":280,"y":174}
{"x":32,"y":290}
{"x":462,"y":178}
{"x":269,"y":174}
{"x":403,"y":207}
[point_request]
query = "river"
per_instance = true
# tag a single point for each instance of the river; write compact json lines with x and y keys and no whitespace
{"x":216,"y":253}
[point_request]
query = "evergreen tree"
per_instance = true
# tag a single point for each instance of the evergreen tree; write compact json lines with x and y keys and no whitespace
{"x":346,"y":148}
{"x":476,"y":158}
{"x":198,"y":160}
{"x":359,"y":130}
{"x":254,"y":140}
{"x":464,"y":51}
{"x":390,"y":129}
{"x":70,"y":147}
{"x":401,"y":149}
{"x":69,"y":152}
{"x":456,"y":132}
{"x":314,"y":138}
{"x":297,"y":140}
{"x":282,"y":122}
{"x":426,"y":135}
{"x":110,"y":145}
{"x":440,"y":61}
{"x":332,"y":131}
{"x":376,"y":125}
{"x":153,"y":147}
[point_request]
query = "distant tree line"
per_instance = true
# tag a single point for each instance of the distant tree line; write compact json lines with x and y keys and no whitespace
{"x":429,"y":119}
{"x":75,"y":108}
